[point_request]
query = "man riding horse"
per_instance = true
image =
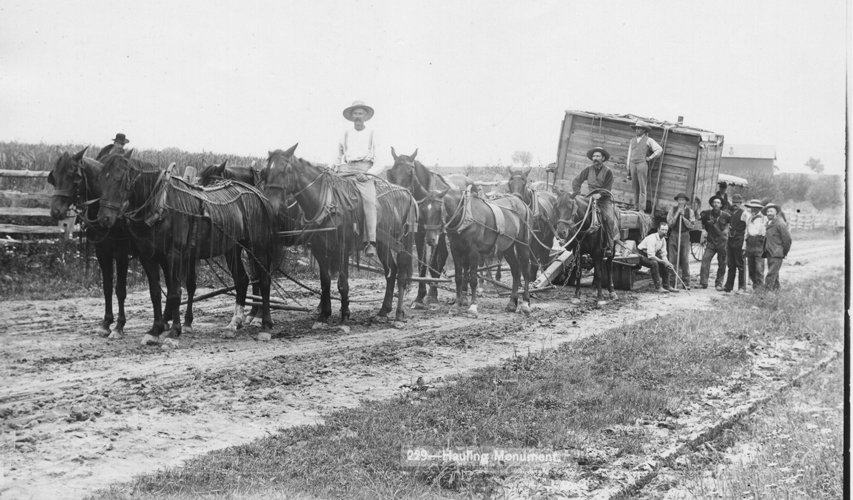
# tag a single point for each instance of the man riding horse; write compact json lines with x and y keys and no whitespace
{"x":599,"y":179}
{"x":356,"y":154}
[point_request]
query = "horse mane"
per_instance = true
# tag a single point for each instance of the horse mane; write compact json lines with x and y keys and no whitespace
{"x":278,"y":154}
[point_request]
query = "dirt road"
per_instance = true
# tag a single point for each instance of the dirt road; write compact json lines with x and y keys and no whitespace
{"x":79,"y":412}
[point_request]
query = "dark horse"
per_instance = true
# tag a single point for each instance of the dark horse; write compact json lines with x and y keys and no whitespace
{"x":332,"y":202}
{"x":575,"y":218}
{"x":541,"y":205}
{"x":476,"y":227}
{"x":75,"y":182}
{"x":414,"y":176}
{"x":288,"y":213}
{"x":171,"y":219}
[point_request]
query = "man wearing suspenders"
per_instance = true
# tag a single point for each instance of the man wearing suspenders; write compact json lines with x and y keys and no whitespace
{"x":642,"y":150}
{"x":599,"y":176}
{"x":356,"y":154}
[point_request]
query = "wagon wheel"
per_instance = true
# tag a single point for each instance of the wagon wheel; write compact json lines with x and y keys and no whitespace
{"x":623,"y":277}
{"x":698,"y":249}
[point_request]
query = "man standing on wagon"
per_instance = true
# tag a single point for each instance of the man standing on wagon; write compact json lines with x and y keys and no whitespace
{"x":356,"y":154}
{"x":642,"y":150}
{"x":598,"y":176}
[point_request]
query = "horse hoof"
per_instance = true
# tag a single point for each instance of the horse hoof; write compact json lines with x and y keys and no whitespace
{"x":601,"y":303}
{"x":116,"y":335}
{"x":344,"y":329}
{"x":229,"y":334}
{"x":472,"y":311}
{"x":613,"y":296}
{"x":430,"y":300}
{"x":188,"y":330}
{"x":169,"y":344}
{"x":235,"y":325}
{"x":264,"y":336}
{"x":576,"y":301}
{"x":399,"y":325}
{"x":101,"y":331}
{"x":525,"y":308}
{"x":249,"y":320}
{"x":149,"y":339}
{"x":418,"y":305}
{"x":318,"y":325}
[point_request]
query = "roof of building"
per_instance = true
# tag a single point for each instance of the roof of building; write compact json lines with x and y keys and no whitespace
{"x":757,"y":151}
{"x":629,"y":119}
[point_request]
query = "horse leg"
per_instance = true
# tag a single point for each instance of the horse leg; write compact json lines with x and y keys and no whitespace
{"x":608,"y":273}
{"x":390,"y":268}
{"x":121,"y":256}
{"x":325,"y":289}
{"x":437,"y":263}
{"x":191,"y":285}
{"x":598,"y":271}
{"x":105,"y":261}
{"x":577,"y":273}
{"x":152,"y":271}
{"x":255,"y":311}
{"x":470,"y":262}
{"x":343,"y":290}
{"x":264,"y":283}
{"x":402,"y":270}
{"x":420,"y":244}
{"x":241,"y":284}
{"x":512,"y":260}
{"x":500,"y":258}
{"x":177,"y":268}
{"x":523,"y":254}
{"x":459,"y":278}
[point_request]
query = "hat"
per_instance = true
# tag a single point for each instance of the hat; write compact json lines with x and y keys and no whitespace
{"x":358,"y":104}
{"x":641,"y":124}
{"x":737,"y":198}
{"x":723,"y":184}
{"x":682,"y":195}
{"x":771,"y":205}
{"x":121,"y":138}
{"x":715,"y":197}
{"x":755,"y":203}
{"x":598,"y":149}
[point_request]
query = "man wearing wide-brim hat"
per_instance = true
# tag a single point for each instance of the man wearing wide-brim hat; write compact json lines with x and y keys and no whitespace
{"x":680,"y":219}
{"x":117,"y":147}
{"x":356,"y":156}
{"x":642,"y":150}
{"x":777,"y":244}
{"x":756,"y":228}
{"x":715,"y":222}
{"x":599,"y":177}
{"x":734,"y":246}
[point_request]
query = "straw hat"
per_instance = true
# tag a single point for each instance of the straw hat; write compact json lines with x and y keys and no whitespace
{"x":754,"y":203}
{"x":356,"y":105}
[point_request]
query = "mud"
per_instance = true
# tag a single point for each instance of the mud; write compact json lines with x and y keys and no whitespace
{"x":80,"y":412}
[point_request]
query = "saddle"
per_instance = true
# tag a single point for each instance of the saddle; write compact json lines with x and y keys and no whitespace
{"x":502,"y":242}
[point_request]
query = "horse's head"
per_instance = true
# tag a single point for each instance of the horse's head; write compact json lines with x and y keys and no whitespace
{"x":117,"y":179}
{"x":565,"y":215}
{"x":211,"y":173}
{"x":517,"y":183}
{"x":66,"y":178}
{"x":402,"y":173}
{"x":433,"y":214}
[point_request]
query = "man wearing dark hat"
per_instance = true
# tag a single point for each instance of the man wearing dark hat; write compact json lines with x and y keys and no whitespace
{"x":734,"y":246}
{"x":680,"y":219}
{"x":723,"y":195}
{"x":598,"y":176}
{"x":715,"y":222}
{"x":356,"y":154}
{"x":117,"y":147}
{"x":756,"y":228}
{"x":642,"y":150}
{"x":777,"y":244}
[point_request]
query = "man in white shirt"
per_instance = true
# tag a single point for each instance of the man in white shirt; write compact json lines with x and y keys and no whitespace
{"x":356,"y":154}
{"x":642,"y":150}
{"x":753,"y":244}
{"x":652,"y":251}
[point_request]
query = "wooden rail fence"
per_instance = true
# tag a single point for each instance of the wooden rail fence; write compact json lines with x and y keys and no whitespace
{"x":811,"y":221}
{"x":65,"y":228}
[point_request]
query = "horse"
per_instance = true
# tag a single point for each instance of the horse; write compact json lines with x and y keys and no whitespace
{"x":541,"y":205}
{"x":411,"y":174}
{"x":75,"y":182}
{"x":171,"y":219}
{"x":329,"y":201}
{"x":575,"y":219}
{"x":208,"y":174}
{"x":476,"y":227}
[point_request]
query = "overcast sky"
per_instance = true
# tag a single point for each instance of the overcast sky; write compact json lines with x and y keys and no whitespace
{"x":464,"y":82}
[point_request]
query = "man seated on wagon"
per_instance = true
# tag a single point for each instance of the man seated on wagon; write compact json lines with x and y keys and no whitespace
{"x":599,"y":176}
{"x":652,"y":252}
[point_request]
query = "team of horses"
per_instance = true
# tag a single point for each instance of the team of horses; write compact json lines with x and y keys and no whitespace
{"x":130,"y":207}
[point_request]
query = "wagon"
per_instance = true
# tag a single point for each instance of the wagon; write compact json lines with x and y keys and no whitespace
{"x":690,"y":164}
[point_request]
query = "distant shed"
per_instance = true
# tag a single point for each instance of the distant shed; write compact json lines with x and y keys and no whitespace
{"x":744,"y":160}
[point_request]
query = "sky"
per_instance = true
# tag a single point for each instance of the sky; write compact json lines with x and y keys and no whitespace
{"x":463,"y":82}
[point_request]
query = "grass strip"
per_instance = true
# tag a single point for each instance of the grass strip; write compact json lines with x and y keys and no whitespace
{"x":559,"y":399}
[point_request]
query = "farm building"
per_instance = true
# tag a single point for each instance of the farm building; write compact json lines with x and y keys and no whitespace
{"x":744,"y":160}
